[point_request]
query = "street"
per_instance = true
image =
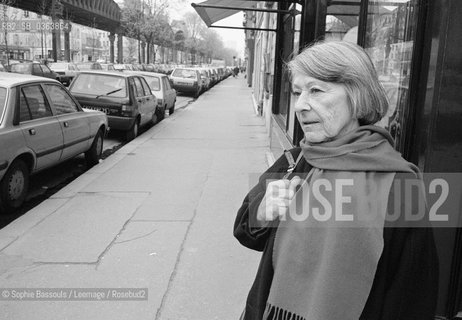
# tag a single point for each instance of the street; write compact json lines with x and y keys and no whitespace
{"x":156,"y":216}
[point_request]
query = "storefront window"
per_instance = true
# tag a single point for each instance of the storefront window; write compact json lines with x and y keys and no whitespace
{"x":342,"y":21}
{"x":288,"y":49}
{"x":389,"y":40}
{"x":297,"y":27}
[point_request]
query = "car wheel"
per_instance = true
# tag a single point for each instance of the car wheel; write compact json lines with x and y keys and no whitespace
{"x":93,"y":155}
{"x":171,"y":110}
{"x":132,"y":133}
{"x":14,"y":186}
{"x":160,"y":114}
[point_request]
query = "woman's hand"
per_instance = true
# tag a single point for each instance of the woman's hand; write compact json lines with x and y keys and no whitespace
{"x":275,"y":203}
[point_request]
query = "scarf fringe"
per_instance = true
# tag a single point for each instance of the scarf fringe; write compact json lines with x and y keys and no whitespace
{"x":277,"y":313}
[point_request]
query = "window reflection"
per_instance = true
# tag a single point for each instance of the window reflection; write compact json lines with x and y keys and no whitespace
{"x":390,"y":37}
{"x":342,"y":20}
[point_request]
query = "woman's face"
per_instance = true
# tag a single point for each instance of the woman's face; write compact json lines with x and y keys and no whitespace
{"x":321,"y":108}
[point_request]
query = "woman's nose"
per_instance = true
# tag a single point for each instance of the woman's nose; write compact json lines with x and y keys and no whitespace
{"x":302,"y":104}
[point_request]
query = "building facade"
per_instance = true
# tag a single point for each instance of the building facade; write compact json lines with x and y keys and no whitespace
{"x":415,"y":47}
{"x":26,"y":41}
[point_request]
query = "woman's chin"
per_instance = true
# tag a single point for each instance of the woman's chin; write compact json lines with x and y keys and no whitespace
{"x":312,"y":138}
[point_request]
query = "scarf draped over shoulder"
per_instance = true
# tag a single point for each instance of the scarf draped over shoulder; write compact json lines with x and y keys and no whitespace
{"x":323,"y":269}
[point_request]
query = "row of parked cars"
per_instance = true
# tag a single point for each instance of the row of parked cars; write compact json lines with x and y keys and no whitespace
{"x":65,"y":71}
{"x":43,"y":123}
{"x":195,"y":80}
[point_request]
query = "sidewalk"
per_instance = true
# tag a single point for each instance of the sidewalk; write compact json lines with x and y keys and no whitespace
{"x":157,"y":214}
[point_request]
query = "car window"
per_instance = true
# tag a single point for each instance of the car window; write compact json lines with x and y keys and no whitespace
{"x":21,"y":68}
{"x":139,"y":92}
{"x":147,"y":90}
{"x":99,"y":84}
{"x":167,"y":84}
{"x":185,"y":73}
{"x":2,"y":101}
{"x":70,"y":67}
{"x":153,"y":83}
{"x":36,"y":69}
{"x":61,"y":100}
{"x":32,"y":104}
{"x":45,"y":69}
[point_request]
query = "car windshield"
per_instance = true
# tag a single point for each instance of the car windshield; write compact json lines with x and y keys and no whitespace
{"x":184,"y":73}
{"x":21,"y":67}
{"x":153,"y":82}
{"x":2,"y":102}
{"x":100,"y":85}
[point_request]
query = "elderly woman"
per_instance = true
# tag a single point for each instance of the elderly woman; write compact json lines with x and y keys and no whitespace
{"x":329,"y":251}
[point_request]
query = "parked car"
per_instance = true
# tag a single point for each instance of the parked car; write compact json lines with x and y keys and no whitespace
{"x":41,"y":125}
{"x":2,"y":68}
{"x":206,"y":78}
{"x":214,"y":76}
{"x":33,"y":68}
{"x":125,"y":98}
{"x":66,"y":71}
{"x":108,"y":67}
{"x":89,"y":66}
{"x":161,"y":88}
{"x":119,"y":67}
{"x":186,"y":80}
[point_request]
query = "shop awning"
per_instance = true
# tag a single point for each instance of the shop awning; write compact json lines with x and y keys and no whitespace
{"x":212,"y":11}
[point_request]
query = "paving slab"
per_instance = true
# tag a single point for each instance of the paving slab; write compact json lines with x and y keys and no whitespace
{"x":215,"y":271}
{"x":143,"y":256}
{"x":80,"y":230}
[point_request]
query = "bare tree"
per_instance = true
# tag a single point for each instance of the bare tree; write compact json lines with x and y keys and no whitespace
{"x":195,"y":29}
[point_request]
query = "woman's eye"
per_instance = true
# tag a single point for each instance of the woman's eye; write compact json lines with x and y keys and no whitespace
{"x":296,"y":93}
{"x":315,"y":90}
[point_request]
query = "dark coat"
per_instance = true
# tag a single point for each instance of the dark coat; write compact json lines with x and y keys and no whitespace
{"x":405,"y":286}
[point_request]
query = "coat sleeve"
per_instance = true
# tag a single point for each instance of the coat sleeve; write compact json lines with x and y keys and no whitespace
{"x":248,"y":236}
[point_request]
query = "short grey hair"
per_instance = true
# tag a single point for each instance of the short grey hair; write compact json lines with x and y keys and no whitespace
{"x":348,"y":64}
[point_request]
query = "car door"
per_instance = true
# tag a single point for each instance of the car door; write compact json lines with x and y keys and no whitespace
{"x":151,"y":99}
{"x":169,"y":92}
{"x":74,"y":122}
{"x":41,"y":129}
{"x":142,"y":102}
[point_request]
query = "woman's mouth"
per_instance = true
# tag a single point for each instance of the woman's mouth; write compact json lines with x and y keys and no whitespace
{"x":307,"y":123}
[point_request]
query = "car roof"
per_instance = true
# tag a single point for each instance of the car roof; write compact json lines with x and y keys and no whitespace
{"x":11,"y":79}
{"x":107,"y":73}
{"x":145,"y":73}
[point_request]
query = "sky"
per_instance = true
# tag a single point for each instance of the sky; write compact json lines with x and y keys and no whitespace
{"x":232,"y":38}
